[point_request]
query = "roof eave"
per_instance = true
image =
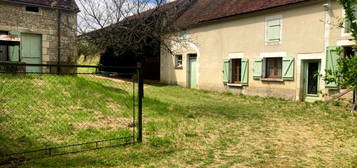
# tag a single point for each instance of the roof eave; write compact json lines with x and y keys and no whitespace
{"x":43,"y":6}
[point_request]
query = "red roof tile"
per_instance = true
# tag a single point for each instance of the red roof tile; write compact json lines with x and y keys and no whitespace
{"x":208,"y":10}
{"x":61,"y":4}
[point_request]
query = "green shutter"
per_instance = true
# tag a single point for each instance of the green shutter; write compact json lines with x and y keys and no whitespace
{"x":226,"y":71}
{"x":332,"y":57}
{"x":14,"y":50}
{"x":273,"y":30}
{"x":257,"y":68}
{"x":274,"y":22}
{"x":245,"y":71}
{"x":288,"y":68}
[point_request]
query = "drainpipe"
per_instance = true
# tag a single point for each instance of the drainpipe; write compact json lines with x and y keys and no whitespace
{"x":327,"y":26}
{"x":59,"y":40}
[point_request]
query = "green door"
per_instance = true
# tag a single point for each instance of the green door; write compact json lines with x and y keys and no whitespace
{"x":31,"y":51}
{"x":311,"y":80}
{"x":192,"y":72}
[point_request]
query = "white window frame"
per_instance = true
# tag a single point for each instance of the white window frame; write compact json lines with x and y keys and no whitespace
{"x":232,"y":56}
{"x":264,"y":56}
{"x":270,"y":18}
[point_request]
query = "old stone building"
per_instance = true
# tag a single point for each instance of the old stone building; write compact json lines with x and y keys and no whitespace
{"x":47,"y":31}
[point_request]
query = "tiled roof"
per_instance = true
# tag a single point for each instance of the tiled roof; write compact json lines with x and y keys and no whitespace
{"x":208,"y":10}
{"x":61,"y":4}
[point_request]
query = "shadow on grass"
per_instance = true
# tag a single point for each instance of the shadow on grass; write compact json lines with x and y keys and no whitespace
{"x":116,"y":90}
{"x":133,"y":156}
{"x":155,"y":83}
{"x":103,"y":86}
{"x":247,"y":112}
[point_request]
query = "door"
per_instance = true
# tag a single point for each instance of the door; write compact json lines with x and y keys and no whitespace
{"x":31,"y":51}
{"x":3,"y":49}
{"x":3,"y":53}
{"x":311,"y":79}
{"x":192,"y":71}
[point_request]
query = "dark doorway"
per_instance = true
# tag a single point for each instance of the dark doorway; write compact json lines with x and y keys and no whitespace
{"x":313,"y":78}
{"x":121,"y":57}
{"x":348,"y":51}
{"x":3,"y":49}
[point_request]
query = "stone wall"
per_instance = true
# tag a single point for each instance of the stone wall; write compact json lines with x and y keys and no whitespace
{"x":14,"y":17}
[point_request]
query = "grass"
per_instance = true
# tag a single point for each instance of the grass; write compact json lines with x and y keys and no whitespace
{"x":45,"y":111}
{"x":196,"y":128}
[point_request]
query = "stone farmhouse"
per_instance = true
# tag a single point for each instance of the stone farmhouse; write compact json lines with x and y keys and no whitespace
{"x":45,"y":29}
{"x":263,"y":48}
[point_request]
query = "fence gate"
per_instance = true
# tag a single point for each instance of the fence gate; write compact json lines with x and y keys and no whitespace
{"x":67,"y":109}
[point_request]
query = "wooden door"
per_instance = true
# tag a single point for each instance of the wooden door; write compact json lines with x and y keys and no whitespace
{"x":31,"y":47}
{"x":192,"y":71}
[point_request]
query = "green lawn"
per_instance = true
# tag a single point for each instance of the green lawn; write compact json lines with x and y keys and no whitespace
{"x":194,"y":128}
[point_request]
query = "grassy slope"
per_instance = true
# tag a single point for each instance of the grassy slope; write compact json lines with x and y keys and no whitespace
{"x":192,"y":128}
{"x":45,"y":111}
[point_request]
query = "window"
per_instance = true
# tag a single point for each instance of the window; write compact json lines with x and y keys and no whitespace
{"x":273,"y":29}
{"x":346,"y":29}
{"x":178,"y":61}
{"x":32,"y":9}
{"x":347,"y":26}
{"x":235,"y":71}
{"x":236,"y":68}
{"x":348,"y":51}
{"x":273,"y":67}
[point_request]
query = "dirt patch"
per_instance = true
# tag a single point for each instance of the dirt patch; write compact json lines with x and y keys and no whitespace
{"x":106,"y":123}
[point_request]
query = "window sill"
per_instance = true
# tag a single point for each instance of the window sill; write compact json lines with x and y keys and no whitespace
{"x":234,"y":85}
{"x":312,"y":95}
{"x":272,"y":43}
{"x":178,"y":68}
{"x":272,"y":80}
{"x":34,"y":13}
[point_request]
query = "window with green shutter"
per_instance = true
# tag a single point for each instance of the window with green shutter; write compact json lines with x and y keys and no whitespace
{"x":244,"y":71}
{"x":257,"y":68}
{"x":226,"y":71}
{"x":332,"y":57}
{"x":273,"y":29}
{"x":236,"y":71}
{"x":288,"y":68}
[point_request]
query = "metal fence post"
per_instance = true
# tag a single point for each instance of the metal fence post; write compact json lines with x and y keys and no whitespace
{"x":140,"y":101}
{"x":354,"y":96}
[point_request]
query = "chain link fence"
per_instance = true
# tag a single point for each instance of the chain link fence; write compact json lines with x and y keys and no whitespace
{"x":50,"y":110}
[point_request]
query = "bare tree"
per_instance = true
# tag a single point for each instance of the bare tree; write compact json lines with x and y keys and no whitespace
{"x":130,"y":25}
